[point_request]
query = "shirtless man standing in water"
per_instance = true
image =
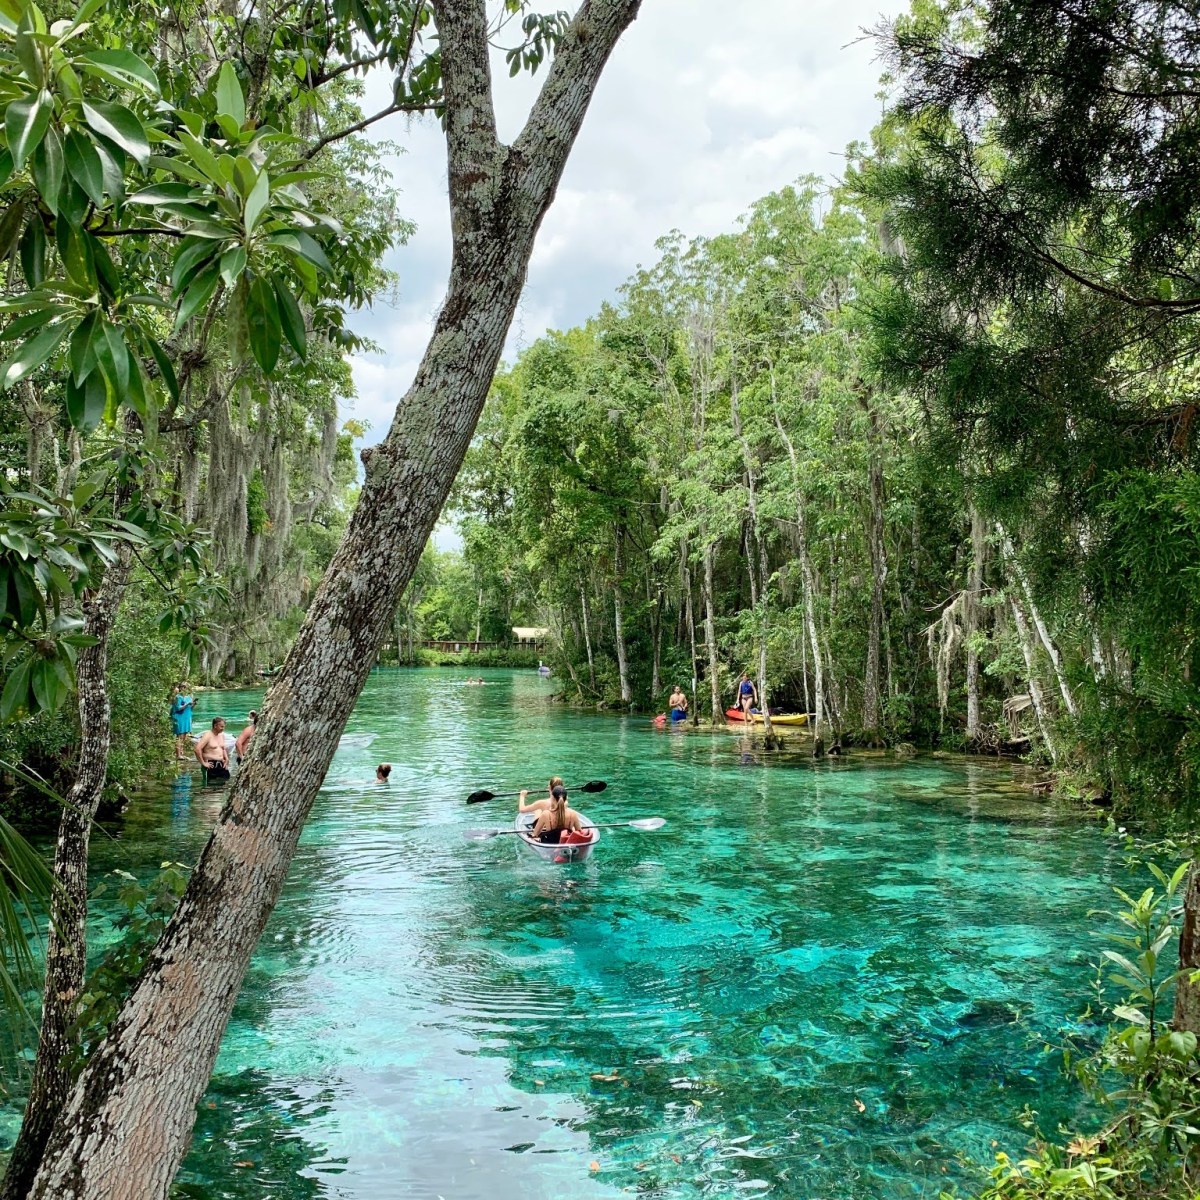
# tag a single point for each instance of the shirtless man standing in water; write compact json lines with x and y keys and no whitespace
{"x":211,"y":751}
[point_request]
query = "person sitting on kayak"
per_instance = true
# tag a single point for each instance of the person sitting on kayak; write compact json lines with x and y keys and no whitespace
{"x":678,"y":703}
{"x":559,"y":818}
{"x":544,"y":803}
{"x":747,"y":695}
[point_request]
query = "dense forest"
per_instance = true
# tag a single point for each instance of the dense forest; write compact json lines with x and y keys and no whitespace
{"x":915,"y":447}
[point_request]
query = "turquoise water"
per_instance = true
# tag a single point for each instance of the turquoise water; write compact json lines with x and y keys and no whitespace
{"x":815,"y":981}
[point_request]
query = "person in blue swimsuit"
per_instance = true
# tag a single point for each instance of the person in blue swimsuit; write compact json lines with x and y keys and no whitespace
{"x":679,"y":704}
{"x":181,"y":717}
{"x":747,"y":695}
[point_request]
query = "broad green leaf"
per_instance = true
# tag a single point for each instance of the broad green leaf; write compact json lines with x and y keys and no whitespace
{"x":75,"y":250}
{"x":122,"y":67}
{"x":25,"y":124}
{"x":262,"y":324}
{"x":197,"y":294}
{"x":230,"y":101}
{"x":303,"y":243}
{"x":84,"y":166}
{"x":258,"y":200}
{"x":191,"y":257}
{"x":112,"y":163}
{"x":202,"y":157}
{"x":166,"y":368}
{"x":33,"y":252}
{"x":233,"y":263}
{"x":46,"y":166}
{"x":28,"y":598}
{"x":33,"y":353}
{"x":113,"y":357}
{"x":86,"y":404}
{"x":119,"y":126}
{"x":22,"y":326}
{"x":16,"y":690}
{"x":290,"y":317}
{"x":6,"y":167}
{"x":83,"y":347}
{"x":244,"y":176}
{"x":10,"y":228}
{"x":165,"y":193}
{"x":28,"y":55}
{"x":45,"y":684}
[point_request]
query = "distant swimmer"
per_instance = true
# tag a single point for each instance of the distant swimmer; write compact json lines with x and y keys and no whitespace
{"x":382,"y":772}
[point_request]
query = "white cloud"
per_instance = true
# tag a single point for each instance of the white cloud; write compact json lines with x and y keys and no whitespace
{"x":703,"y":108}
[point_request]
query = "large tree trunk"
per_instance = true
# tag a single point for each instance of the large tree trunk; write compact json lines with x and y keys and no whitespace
{"x":128,"y":1121}
{"x":1036,"y":695}
{"x":710,"y":633}
{"x":587,"y":637}
{"x":619,"y":624}
{"x":971,"y":621}
{"x":66,"y":942}
{"x":878,"y":552}
{"x":1187,"y":994}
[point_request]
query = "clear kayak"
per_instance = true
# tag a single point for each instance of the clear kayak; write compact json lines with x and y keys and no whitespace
{"x":735,"y":714}
{"x":549,"y":851}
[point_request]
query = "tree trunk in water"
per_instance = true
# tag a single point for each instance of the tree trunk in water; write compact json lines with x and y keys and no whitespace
{"x":587,"y":637}
{"x":971,"y":621}
{"x":128,"y":1120}
{"x":1187,"y":994}
{"x":878,"y":552}
{"x":710,"y":635}
{"x":66,"y":942}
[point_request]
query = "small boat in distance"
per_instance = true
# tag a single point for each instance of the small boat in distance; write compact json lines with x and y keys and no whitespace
{"x":561,"y":852}
{"x":756,"y":718}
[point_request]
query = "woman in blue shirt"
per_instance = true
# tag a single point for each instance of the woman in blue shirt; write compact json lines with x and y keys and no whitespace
{"x":181,"y":717}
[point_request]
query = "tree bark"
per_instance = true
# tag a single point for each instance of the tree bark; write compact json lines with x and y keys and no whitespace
{"x":619,"y":623}
{"x":128,"y":1121}
{"x":878,"y":553}
{"x":710,"y":634}
{"x":587,"y":637}
{"x":1187,"y":994}
{"x":1035,"y":686}
{"x":971,"y":621}
{"x":66,"y":941}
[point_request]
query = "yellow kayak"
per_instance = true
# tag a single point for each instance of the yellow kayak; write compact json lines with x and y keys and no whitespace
{"x":735,"y":714}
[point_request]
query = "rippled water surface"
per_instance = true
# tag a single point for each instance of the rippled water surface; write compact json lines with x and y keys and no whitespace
{"x":822,"y":981}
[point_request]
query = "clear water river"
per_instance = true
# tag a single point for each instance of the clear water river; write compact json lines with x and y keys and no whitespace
{"x":826,"y":981}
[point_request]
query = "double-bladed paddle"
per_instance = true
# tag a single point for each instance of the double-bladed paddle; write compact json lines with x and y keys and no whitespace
{"x":595,"y":785}
{"x":645,"y":823}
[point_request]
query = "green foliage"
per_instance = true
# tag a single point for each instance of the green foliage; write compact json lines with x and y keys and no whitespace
{"x":143,"y":910}
{"x":1149,"y":1145}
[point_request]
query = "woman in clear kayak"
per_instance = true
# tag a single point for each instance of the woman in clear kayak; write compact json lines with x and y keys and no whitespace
{"x":554,"y":815}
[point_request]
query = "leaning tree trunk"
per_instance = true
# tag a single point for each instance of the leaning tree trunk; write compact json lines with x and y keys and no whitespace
{"x":1187,"y":993}
{"x":1036,"y":695}
{"x":66,"y":942}
{"x":587,"y":637}
{"x":128,"y":1121}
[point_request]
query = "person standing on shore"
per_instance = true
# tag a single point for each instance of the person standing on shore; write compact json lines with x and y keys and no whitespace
{"x":182,"y":704}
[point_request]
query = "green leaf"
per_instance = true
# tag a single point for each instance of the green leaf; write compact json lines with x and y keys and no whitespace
{"x":113,"y":357}
{"x":46,"y":166}
{"x":165,"y":193}
{"x":16,"y":690}
{"x":230,"y":101}
{"x":304,"y":244}
{"x":6,"y":167}
{"x":33,"y":252}
{"x":86,"y":404}
{"x":233,"y":263}
{"x":26,"y":50}
{"x":257,"y":201}
{"x":25,"y":124}
{"x":112,"y":164}
{"x":119,"y":126}
{"x":28,"y":598}
{"x":33,"y":353}
{"x":83,"y":347}
{"x":197,"y":294}
{"x":166,"y":368}
{"x":84,"y":166}
{"x":121,"y":67}
{"x":10,"y":228}
{"x":75,"y":249}
{"x":290,"y":317}
{"x":45,"y":684}
{"x":262,"y":324}
{"x":202,"y":157}
{"x":191,"y":256}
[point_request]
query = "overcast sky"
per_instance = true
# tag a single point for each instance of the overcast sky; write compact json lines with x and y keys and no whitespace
{"x":705,"y":106}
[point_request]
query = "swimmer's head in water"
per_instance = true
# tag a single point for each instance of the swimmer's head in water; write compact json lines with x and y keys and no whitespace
{"x":383,"y":770}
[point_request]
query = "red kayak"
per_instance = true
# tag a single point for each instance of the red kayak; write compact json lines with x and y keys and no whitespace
{"x":736,"y":714}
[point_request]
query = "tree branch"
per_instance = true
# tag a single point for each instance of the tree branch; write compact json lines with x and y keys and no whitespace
{"x":358,"y":126}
